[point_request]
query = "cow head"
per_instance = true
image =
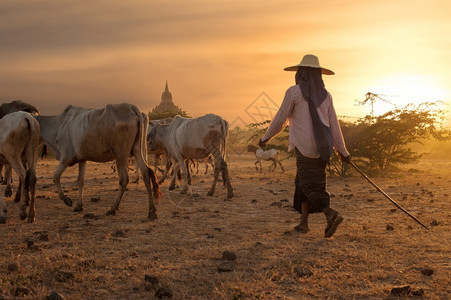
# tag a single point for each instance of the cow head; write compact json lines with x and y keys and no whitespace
{"x":17,"y":105}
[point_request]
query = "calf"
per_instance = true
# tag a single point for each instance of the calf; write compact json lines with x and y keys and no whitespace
{"x":260,"y":154}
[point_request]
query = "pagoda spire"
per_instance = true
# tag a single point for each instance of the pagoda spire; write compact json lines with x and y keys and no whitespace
{"x":166,"y":88}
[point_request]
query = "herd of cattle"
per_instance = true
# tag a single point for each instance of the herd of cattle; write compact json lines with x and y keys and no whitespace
{"x":112,"y":133}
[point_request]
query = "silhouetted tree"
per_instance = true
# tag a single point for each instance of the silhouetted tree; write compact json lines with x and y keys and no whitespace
{"x":384,"y":141}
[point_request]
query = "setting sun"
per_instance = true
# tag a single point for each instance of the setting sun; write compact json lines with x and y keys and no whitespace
{"x":403,"y":89}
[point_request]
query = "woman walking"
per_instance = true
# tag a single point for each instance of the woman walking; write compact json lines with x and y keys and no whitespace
{"x":314,"y":132}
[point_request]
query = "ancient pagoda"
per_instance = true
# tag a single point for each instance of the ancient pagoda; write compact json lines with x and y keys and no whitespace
{"x":166,"y":104}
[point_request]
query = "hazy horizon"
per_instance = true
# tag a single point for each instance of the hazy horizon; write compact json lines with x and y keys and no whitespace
{"x":221,"y":56}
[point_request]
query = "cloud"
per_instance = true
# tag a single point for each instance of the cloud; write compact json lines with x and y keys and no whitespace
{"x":216,"y":55}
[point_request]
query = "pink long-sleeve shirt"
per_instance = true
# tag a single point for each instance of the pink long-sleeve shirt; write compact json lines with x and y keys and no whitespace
{"x":295,"y":110}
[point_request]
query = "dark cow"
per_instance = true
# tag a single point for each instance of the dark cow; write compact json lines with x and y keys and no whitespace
{"x":17,"y":105}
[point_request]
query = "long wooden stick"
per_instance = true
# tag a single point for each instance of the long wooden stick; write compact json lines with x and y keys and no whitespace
{"x":387,"y":196}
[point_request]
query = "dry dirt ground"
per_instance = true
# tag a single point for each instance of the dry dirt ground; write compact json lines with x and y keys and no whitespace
{"x":88,"y":255}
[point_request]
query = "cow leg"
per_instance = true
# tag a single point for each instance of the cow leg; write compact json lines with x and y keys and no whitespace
{"x":187,"y":163}
{"x":18,"y":191}
{"x":2,"y":179}
{"x":226,"y":178}
{"x":3,"y":210}
{"x":283,"y":170}
{"x":17,"y":165}
{"x":217,"y":169}
{"x":80,"y":183}
{"x":175,"y":170}
{"x":146,"y":173}
{"x":122,"y":172}
{"x":186,"y":175}
{"x":8,"y":181}
{"x":31,"y":175}
{"x":256,"y":168}
{"x":136,"y":180}
{"x":57,"y":180}
{"x":273,"y":164}
{"x":166,"y":170}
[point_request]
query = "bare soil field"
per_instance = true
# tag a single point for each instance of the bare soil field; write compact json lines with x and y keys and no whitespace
{"x":88,"y":255}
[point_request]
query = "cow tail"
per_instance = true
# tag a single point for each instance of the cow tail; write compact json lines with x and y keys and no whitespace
{"x":33,"y":128}
{"x":156,"y":187}
{"x":143,"y":123}
{"x":225,"y":130}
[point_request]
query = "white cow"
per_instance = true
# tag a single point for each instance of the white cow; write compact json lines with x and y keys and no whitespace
{"x":19,"y":141}
{"x":194,"y":139}
{"x":6,"y":108}
{"x":270,"y":154}
{"x":114,"y":132}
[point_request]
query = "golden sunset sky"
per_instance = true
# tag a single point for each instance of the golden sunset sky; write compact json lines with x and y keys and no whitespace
{"x":220,"y":56}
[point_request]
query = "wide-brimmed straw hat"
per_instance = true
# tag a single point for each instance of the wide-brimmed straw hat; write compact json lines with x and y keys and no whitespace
{"x":312,"y":61}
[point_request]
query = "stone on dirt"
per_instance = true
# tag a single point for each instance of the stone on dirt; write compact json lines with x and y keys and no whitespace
{"x":226,"y":266}
{"x":151,"y":282}
{"x":64,"y":276}
{"x":13,"y":267}
{"x":119,"y":233}
{"x":21,"y":291}
{"x":390,"y":227}
{"x":90,"y":216}
{"x":400,"y":291}
{"x":55,"y":296}
{"x":427,"y":272}
{"x":303,"y":272}
{"x":229,"y":256}
{"x":163,"y":293}
{"x":44,"y":236}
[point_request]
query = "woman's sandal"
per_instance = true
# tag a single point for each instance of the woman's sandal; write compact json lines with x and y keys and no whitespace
{"x":332,"y":225}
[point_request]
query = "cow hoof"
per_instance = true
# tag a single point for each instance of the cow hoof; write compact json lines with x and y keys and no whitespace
{"x":111,"y":213}
{"x":8,"y":192}
{"x":67,"y":201}
{"x":31,"y":220}
{"x":23,"y":215}
{"x":152,"y":216}
{"x":210,"y":193}
{"x":16,"y":199}
{"x":171,"y":187}
{"x":230,"y":195}
{"x":78,"y":208}
{"x":2,"y":220}
{"x":182,"y":192}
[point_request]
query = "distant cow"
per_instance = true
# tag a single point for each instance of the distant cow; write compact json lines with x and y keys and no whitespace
{"x":194,"y":139}
{"x":19,"y":141}
{"x":114,"y":132}
{"x":157,"y":153}
{"x":270,"y":154}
